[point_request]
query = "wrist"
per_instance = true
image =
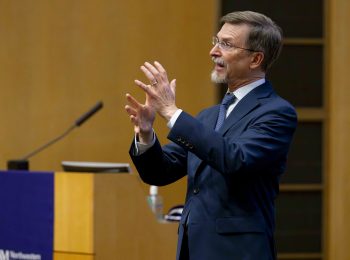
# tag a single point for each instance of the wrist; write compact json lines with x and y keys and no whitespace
{"x":145,"y":137}
{"x":170,"y":113}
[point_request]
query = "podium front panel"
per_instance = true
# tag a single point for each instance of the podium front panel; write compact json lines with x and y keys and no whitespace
{"x":26,"y":215}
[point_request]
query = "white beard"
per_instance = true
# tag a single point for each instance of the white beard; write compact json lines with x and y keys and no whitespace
{"x":218,"y":79}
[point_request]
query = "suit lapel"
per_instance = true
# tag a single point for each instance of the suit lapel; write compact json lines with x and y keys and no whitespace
{"x":213,"y":117}
{"x":244,"y":106}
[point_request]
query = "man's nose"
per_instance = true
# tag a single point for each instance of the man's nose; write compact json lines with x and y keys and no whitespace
{"x":215,"y":51}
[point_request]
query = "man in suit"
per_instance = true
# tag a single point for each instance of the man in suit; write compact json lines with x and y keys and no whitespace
{"x":233,"y":154}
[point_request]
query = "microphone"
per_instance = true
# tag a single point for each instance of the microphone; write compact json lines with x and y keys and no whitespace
{"x":23,"y":164}
{"x":89,"y":114}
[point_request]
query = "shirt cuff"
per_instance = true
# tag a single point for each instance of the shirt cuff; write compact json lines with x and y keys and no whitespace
{"x":173,"y":119}
{"x":142,"y":148}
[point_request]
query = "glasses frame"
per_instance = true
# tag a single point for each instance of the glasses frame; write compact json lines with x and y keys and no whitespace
{"x":226,"y":46}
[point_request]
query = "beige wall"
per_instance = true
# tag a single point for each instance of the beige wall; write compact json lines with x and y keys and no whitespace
{"x":59,"y":57}
{"x":337,"y":235}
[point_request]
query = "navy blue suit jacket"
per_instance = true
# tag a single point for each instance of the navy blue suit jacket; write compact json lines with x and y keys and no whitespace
{"x":233,"y":175}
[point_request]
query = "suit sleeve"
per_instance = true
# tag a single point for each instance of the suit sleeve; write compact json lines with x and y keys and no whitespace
{"x":264,"y":143}
{"x":160,"y":166}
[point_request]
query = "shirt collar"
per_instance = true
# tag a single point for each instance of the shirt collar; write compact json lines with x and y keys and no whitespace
{"x":244,"y":90}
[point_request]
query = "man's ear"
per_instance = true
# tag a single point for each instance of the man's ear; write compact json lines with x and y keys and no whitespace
{"x":256,"y":60}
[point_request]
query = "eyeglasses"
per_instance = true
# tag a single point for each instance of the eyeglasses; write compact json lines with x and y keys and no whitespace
{"x":226,"y":46}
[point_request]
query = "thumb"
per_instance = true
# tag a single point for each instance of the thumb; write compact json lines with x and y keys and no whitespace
{"x":173,"y":85}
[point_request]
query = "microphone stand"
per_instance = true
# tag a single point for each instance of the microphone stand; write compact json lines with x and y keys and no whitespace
{"x":23,"y":163}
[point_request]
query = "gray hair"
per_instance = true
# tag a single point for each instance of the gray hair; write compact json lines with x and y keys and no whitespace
{"x":264,"y":36}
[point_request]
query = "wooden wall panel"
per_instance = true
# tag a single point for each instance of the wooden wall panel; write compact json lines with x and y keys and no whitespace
{"x":338,"y":173}
{"x":58,"y":57}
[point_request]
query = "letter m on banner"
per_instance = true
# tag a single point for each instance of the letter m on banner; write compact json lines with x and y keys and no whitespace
{"x":4,"y":255}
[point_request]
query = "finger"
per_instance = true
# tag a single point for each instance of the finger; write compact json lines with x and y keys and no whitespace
{"x":151,"y":68}
{"x":147,"y":88}
{"x":130,"y":110}
{"x":155,"y":72}
{"x":162,"y":71}
{"x":148,"y":74}
{"x":159,"y":67}
{"x":173,"y":85}
{"x":134,"y":120}
{"x":135,"y":104}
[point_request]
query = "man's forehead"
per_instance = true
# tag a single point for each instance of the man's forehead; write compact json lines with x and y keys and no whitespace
{"x":233,"y":31}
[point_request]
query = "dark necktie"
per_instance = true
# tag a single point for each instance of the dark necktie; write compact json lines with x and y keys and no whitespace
{"x":225,"y":103}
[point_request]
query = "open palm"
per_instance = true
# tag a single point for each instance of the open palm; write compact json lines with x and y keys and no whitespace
{"x":141,"y":115}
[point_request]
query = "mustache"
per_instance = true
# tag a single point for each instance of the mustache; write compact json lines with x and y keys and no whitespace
{"x":219,"y":61}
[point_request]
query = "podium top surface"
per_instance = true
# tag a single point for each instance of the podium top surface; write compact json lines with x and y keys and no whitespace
{"x":95,"y":167}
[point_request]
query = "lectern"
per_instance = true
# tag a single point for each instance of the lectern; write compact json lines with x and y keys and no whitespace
{"x":80,"y":216}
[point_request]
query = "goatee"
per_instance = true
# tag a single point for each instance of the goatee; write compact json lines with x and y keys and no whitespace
{"x":218,"y":79}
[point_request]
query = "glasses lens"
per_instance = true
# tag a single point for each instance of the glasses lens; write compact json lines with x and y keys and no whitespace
{"x":214,"y":40}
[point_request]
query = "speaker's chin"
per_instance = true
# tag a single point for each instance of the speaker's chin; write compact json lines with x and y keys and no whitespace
{"x":217,"y":78}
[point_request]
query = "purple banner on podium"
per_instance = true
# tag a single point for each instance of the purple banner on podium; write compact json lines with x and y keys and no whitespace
{"x":26,"y":215}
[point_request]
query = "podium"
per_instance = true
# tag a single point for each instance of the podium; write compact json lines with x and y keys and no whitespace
{"x":101,"y":216}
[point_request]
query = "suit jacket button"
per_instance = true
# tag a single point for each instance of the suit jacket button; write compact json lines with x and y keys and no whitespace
{"x":195,"y":190}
